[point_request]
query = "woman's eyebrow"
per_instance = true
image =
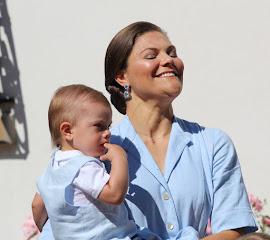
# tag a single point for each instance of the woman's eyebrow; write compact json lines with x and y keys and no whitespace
{"x":153,"y":49}
{"x":171,"y":47}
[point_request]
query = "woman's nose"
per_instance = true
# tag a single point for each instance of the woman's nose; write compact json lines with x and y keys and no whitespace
{"x":166,"y":60}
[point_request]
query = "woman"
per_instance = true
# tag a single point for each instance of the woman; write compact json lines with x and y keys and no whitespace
{"x":181,"y":173}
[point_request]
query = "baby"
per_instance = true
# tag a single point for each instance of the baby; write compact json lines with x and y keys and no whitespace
{"x":80,"y":198}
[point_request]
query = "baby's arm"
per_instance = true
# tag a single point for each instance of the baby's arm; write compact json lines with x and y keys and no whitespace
{"x":39,"y":212}
{"x":115,"y":190}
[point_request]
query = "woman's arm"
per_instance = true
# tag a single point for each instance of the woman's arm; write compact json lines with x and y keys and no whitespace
{"x":115,"y":190}
{"x":231,"y":208}
{"x":39,"y":212}
{"x":226,"y":235}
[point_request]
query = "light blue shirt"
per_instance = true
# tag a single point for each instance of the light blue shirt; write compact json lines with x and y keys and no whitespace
{"x":93,"y":221}
{"x":202,"y":179}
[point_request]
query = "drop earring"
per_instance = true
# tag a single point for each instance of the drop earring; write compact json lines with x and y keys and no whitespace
{"x":127,"y":93}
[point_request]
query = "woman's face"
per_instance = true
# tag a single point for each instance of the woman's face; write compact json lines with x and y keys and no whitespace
{"x":153,"y":69}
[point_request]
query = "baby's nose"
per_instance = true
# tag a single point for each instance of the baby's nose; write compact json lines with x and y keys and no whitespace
{"x":107,"y":134}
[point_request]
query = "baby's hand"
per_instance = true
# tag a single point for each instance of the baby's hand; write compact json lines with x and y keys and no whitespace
{"x":115,"y":190}
{"x":115,"y":152}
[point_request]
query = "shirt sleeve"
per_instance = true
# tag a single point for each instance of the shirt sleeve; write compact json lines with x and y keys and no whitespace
{"x":231,"y":208}
{"x":91,"y":178}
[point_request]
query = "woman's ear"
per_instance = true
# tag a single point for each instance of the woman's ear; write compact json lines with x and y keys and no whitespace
{"x":66,"y":130}
{"x":121,"y":78}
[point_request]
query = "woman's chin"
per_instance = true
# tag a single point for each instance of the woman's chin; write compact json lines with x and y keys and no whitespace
{"x":174,"y":91}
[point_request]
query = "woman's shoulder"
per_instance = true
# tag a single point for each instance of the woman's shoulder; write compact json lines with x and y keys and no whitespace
{"x":210,"y":134}
{"x":119,"y":126}
{"x":213,"y":141}
{"x":119,"y":131}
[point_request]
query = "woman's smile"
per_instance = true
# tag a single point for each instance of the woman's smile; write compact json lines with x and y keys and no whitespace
{"x":152,"y":59}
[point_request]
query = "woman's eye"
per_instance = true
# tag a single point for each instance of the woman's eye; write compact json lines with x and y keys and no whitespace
{"x":152,"y":56}
{"x":173,"y":54}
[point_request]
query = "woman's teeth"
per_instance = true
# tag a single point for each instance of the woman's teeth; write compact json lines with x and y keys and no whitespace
{"x":167,"y":75}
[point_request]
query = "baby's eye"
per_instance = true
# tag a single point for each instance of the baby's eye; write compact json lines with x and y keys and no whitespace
{"x":100,"y":126}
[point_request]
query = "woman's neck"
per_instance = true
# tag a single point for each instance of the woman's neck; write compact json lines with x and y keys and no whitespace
{"x":150,"y":120}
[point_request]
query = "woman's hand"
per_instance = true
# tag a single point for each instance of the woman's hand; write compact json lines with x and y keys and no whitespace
{"x":226,"y":235}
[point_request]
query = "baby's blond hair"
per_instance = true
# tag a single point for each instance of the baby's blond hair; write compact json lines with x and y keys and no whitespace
{"x":66,"y":106}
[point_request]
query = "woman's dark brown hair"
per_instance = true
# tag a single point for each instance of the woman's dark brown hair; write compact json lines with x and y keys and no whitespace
{"x":117,"y":55}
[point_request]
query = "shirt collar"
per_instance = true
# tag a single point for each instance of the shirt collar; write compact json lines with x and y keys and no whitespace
{"x":59,"y":155}
{"x":177,"y":143}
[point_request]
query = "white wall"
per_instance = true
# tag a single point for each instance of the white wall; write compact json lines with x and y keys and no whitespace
{"x":225,"y":48}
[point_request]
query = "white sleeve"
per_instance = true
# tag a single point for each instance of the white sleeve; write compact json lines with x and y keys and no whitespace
{"x":91,"y":178}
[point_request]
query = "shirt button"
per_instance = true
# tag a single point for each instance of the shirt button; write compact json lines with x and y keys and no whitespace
{"x":170,"y":226}
{"x":166,"y":196}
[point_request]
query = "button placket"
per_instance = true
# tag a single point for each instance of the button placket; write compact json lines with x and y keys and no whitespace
{"x":170,"y":226}
{"x":166,"y":196}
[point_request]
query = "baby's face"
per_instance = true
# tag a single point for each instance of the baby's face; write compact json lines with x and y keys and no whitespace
{"x":92,"y":129}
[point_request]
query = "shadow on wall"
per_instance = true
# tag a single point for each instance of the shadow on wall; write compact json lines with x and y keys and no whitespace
{"x":13,"y":129}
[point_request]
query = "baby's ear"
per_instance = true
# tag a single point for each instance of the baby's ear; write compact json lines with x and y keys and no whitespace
{"x":65,"y":129}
